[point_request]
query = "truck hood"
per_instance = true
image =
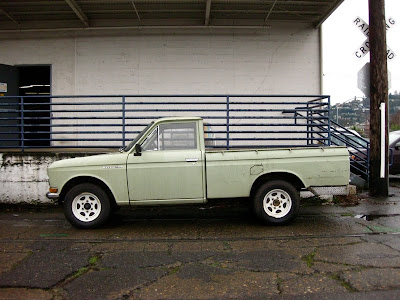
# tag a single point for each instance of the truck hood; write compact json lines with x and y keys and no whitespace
{"x":95,"y":160}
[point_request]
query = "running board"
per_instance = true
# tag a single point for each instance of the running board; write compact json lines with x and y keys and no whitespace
{"x":333,"y":190}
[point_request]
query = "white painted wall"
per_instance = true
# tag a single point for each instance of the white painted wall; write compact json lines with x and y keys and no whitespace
{"x":283,"y":59}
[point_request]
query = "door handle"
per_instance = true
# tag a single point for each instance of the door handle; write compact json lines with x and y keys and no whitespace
{"x":192,"y":159}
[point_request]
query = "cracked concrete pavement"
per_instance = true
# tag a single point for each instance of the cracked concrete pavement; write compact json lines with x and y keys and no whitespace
{"x":216,"y":251}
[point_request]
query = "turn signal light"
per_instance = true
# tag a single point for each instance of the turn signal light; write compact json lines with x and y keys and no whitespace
{"x":53,"y":190}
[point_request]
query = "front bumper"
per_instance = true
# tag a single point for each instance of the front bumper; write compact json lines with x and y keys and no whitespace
{"x":52,"y":196}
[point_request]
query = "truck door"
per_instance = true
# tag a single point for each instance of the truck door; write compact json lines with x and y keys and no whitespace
{"x":170,"y":166}
{"x":9,"y":108}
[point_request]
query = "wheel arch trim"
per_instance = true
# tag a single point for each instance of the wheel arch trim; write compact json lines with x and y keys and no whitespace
{"x":290,"y":177}
{"x":87,"y":179}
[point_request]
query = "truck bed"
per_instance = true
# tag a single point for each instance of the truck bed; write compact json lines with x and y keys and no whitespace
{"x":228,"y":170}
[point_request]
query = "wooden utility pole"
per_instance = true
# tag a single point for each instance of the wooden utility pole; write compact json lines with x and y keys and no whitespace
{"x":379,"y":179}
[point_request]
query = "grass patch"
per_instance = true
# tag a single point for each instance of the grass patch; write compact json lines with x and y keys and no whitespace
{"x":174,"y":270}
{"x":94,"y":260}
{"x":347,"y":215}
{"x":343,"y":283}
{"x":227,"y":246}
{"x":216,"y":264}
{"x":80,"y":272}
{"x":309,"y":258}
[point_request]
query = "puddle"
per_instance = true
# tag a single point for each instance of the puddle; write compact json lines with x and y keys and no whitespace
{"x":374,"y":217}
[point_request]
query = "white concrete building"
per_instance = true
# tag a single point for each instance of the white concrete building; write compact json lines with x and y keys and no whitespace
{"x":136,"y":47}
{"x":168,"y":47}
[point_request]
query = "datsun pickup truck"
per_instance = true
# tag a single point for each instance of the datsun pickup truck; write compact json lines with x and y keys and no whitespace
{"x":168,"y":164}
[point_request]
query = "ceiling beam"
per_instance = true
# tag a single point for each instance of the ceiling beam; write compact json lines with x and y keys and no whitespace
{"x":136,"y":11}
{"x":208,"y":10}
{"x":9,"y":16}
{"x":78,"y":11}
{"x":270,"y":11}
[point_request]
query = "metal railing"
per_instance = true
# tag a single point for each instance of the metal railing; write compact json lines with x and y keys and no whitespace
{"x":111,"y":121}
{"x":359,"y":149}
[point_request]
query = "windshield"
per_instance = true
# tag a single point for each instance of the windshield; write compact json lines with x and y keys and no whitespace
{"x":129,"y":147}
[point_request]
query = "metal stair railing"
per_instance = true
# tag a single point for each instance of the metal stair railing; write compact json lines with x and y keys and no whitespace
{"x":359,"y":149}
{"x":337,"y":135}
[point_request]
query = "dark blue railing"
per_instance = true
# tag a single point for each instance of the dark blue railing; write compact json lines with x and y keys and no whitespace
{"x":111,"y":121}
{"x":359,"y":149}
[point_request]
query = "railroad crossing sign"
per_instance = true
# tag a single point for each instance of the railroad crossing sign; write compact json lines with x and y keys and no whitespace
{"x":364,"y":28}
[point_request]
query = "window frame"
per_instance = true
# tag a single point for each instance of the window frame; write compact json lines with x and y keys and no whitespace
{"x":158,"y":127}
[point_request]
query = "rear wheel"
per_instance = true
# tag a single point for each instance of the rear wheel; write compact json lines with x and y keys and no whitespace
{"x":276,"y":202}
{"x":87,"y":206}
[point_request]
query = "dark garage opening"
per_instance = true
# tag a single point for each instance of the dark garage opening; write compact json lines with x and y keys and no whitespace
{"x":35,"y":81}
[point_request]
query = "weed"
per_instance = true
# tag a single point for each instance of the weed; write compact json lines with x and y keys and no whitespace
{"x":343,"y":283}
{"x":227,"y":246}
{"x":80,"y":272}
{"x":309,"y":258}
{"x":174,"y":270}
{"x":94,"y":260}
{"x":347,"y":215}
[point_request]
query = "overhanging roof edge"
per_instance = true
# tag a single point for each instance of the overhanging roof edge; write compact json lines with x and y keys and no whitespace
{"x":330,"y":11}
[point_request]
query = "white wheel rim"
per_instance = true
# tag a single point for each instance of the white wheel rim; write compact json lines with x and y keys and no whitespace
{"x":277,"y":203}
{"x":86,"y":207}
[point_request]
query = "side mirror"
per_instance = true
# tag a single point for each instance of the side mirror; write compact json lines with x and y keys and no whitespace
{"x":138,"y":150}
{"x":397,"y":146}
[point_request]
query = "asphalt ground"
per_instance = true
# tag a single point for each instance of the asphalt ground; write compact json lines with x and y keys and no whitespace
{"x":349,"y":250}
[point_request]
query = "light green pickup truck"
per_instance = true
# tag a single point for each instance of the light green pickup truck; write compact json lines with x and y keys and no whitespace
{"x":168,"y":164}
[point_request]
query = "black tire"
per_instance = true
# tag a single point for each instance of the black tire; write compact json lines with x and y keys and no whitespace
{"x":276,"y":202}
{"x":87,"y":206}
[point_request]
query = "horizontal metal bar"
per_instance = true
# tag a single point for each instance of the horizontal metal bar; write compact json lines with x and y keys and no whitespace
{"x":64,"y":146}
{"x":317,"y":97}
{"x":267,"y":139}
{"x":63,"y":140}
{"x":266,"y":131}
{"x":81,"y":132}
{"x":265,"y":146}
{"x":135,"y":132}
{"x":144,"y":125}
{"x":116,"y":110}
{"x":153,"y":117}
{"x":158,"y":103}
{"x":110,"y":111}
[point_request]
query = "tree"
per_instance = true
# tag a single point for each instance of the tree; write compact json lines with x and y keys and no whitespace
{"x":395,"y":122}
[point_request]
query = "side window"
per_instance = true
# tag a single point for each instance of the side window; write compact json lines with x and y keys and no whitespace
{"x":151,"y":142}
{"x":178,"y":136}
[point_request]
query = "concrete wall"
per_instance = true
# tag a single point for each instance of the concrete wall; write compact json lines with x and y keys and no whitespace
{"x":23,"y":177}
{"x":283,"y":59}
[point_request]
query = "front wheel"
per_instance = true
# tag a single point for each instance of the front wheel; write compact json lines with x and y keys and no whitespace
{"x":87,"y":206}
{"x":276,"y":202}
